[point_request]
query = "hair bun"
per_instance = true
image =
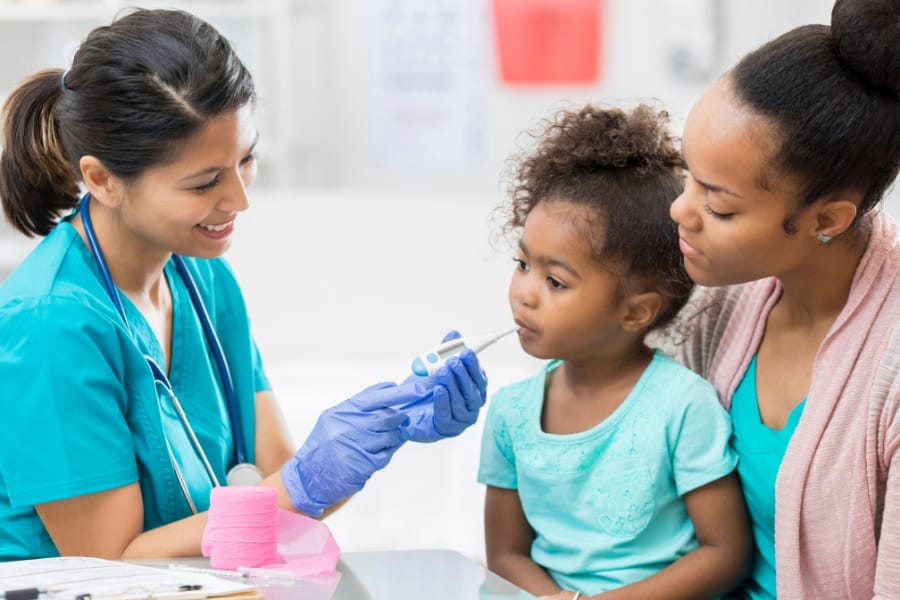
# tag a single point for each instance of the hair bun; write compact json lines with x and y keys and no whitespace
{"x":593,"y":137}
{"x":867,"y":35}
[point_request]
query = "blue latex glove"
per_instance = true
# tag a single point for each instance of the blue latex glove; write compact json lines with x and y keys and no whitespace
{"x":349,"y":442}
{"x":456,"y":392}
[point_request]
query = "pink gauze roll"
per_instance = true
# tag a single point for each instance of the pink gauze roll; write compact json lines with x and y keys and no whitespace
{"x":246,"y":528}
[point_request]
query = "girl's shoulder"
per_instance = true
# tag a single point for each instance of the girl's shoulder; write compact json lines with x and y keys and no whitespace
{"x":669,"y":383}
{"x":523,"y":393}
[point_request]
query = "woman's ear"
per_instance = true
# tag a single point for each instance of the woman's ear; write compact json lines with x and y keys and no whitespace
{"x":104,"y":187}
{"x":641,"y":310}
{"x":835,"y":216}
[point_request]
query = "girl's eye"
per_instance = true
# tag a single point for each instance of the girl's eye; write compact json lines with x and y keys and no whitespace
{"x":206,"y":186}
{"x":249,"y":158}
{"x":556,"y":284}
{"x":521,"y":265}
{"x":716,"y":215}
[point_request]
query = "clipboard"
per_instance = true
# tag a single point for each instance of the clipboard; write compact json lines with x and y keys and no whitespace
{"x":76,"y":577}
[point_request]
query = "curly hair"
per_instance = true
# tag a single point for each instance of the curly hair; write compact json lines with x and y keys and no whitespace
{"x":627,"y":169}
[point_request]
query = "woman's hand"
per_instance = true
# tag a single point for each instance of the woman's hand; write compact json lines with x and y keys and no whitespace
{"x":349,"y":442}
{"x":454,"y":396}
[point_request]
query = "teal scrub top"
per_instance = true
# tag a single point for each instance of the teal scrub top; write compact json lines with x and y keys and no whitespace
{"x":761,"y":449}
{"x":607,"y":504}
{"x":81,"y":411}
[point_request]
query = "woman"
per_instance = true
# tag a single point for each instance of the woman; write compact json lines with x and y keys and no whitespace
{"x":789,"y":155}
{"x":130,"y":381}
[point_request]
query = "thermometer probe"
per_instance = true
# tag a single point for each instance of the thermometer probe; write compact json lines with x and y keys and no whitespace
{"x":429,"y":362}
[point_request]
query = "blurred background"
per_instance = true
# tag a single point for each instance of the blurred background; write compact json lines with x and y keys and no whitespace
{"x":386,"y":127}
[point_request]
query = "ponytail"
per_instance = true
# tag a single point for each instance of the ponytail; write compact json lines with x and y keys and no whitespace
{"x":36,"y":181}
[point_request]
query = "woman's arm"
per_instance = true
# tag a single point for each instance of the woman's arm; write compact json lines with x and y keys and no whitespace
{"x":508,"y":538}
{"x":109,"y":524}
{"x":349,"y":442}
{"x":274,"y":445}
{"x":887,"y":566}
{"x":719,"y":564}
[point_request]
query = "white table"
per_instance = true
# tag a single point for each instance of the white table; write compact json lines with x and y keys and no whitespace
{"x":394,"y":575}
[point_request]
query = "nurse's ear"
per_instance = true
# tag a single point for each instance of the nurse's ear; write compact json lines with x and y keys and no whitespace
{"x":105,"y":188}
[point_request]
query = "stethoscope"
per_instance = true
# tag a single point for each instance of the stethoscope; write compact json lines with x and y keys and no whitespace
{"x":243,"y":472}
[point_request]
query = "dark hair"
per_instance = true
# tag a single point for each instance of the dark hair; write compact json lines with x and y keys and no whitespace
{"x":136,"y":89}
{"x":832,"y":95}
{"x":627,"y":169}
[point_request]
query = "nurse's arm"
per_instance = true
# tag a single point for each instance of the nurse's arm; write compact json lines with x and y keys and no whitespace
{"x":274,"y":445}
{"x":109,"y":525}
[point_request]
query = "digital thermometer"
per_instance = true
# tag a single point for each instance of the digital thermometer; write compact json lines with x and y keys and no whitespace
{"x":429,"y":362}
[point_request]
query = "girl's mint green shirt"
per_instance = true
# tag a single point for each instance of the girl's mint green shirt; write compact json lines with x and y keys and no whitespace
{"x":606,"y":504}
{"x":761,"y":449}
{"x":81,"y":411}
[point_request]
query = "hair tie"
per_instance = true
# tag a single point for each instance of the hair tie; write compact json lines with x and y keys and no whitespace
{"x":62,"y":80}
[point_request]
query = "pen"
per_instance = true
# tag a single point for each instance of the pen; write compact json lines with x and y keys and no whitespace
{"x":182,"y":592}
{"x":24,"y":593}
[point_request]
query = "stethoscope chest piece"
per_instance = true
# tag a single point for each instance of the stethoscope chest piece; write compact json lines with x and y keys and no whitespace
{"x":244,"y":474}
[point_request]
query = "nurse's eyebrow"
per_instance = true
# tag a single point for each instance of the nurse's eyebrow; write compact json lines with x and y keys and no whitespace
{"x":553,"y":262}
{"x":211,"y":170}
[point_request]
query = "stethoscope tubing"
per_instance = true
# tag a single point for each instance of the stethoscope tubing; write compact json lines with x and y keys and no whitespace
{"x":219,"y":356}
{"x":158,"y":375}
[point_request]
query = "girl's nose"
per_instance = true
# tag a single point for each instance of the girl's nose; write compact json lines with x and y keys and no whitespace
{"x":522,"y":291}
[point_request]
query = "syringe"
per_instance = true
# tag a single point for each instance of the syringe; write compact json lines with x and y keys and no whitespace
{"x":429,"y":362}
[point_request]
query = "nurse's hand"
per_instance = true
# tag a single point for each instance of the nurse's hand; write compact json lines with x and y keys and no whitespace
{"x":349,"y":442}
{"x":456,"y":393}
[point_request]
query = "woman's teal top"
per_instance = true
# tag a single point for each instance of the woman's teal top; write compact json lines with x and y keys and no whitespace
{"x":760,"y":449}
{"x":81,"y":411}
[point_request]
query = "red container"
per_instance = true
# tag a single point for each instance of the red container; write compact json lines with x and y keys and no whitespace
{"x":548,"y":41}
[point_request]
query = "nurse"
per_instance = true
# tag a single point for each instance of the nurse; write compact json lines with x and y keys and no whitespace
{"x":130,"y":381}
{"x":790,"y":154}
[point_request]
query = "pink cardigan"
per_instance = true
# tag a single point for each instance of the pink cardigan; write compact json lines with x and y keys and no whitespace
{"x":837,"y":518}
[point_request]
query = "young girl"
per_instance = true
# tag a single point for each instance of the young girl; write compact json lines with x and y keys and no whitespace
{"x":609,"y":472}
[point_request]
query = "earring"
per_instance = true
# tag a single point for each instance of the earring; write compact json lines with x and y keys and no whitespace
{"x":823,"y":239}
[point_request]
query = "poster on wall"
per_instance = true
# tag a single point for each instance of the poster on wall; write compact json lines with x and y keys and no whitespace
{"x":430,"y":67}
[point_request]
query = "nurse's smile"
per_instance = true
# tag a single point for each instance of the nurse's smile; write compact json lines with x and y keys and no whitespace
{"x":216,"y":232}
